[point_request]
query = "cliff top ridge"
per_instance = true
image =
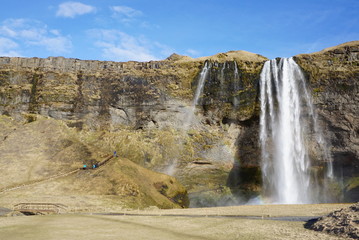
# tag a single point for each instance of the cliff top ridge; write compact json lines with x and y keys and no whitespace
{"x":352,"y":46}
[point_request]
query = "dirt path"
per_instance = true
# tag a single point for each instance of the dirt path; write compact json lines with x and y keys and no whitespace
{"x":39,"y":181}
{"x":28,"y":184}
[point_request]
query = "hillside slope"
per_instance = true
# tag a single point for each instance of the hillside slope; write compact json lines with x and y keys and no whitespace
{"x":34,"y":152}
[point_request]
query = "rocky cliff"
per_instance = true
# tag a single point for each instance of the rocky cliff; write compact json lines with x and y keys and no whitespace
{"x":146,"y":112}
{"x":134,"y":94}
{"x":143,"y":110}
{"x":333,"y":75}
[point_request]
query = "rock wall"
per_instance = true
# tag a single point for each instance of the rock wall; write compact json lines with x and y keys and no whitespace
{"x":93,"y":93}
{"x":334,"y":78}
{"x":133,"y":93}
{"x":145,"y":111}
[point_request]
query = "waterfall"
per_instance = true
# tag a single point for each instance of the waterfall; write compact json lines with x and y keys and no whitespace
{"x":222,"y":93}
{"x":222,"y":72}
{"x":190,"y":118}
{"x":201,"y":81}
{"x":287,"y":118}
{"x":190,"y":113}
{"x":236,"y":74}
{"x":236,"y":85}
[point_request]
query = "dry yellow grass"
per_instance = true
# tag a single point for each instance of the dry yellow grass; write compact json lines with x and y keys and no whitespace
{"x":34,"y":154}
{"x":90,"y":227}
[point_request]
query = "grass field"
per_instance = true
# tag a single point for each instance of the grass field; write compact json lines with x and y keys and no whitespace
{"x":206,"y":223}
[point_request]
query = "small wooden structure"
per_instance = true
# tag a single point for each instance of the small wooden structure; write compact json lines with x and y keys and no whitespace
{"x":40,"y":208}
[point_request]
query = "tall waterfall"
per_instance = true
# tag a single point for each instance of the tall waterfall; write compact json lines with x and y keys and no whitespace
{"x":236,"y":85}
{"x":201,"y":81}
{"x":286,"y":121}
{"x":190,"y":118}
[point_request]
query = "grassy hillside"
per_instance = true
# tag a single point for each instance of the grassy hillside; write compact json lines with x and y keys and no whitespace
{"x":31,"y":154}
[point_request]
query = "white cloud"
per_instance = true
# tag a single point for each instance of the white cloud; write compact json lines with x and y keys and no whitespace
{"x":57,"y":44}
{"x":119,"y":46}
{"x":72,"y":9}
{"x":125,"y":14}
{"x":4,"y":30}
{"x":55,"y":32}
{"x":192,"y":52}
{"x":164,"y":50}
{"x":6,"y":43}
{"x":27,"y":32}
{"x":126,"y":11}
{"x":8,"y":48}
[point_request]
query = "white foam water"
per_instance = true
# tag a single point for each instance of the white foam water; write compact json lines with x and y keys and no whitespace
{"x":201,"y":82}
{"x":287,"y":117}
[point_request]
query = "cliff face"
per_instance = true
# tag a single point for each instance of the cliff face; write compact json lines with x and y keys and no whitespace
{"x":87,"y":92}
{"x":146,"y":112}
{"x":334,"y":78}
{"x":99,"y":94}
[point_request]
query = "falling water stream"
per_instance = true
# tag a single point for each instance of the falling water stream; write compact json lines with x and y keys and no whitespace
{"x":201,"y":81}
{"x":236,"y":85}
{"x":287,"y":118}
{"x":190,"y":113}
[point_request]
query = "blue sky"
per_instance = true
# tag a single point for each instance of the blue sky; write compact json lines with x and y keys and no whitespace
{"x":144,"y":30}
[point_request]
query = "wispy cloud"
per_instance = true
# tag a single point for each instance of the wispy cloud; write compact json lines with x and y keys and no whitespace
{"x":192,"y":52}
{"x":21,"y":33}
{"x":73,"y":9}
{"x":125,"y":14}
{"x":126,"y":11}
{"x":164,"y":50}
{"x":119,"y":46}
{"x":326,"y":42}
{"x":8,"y":48}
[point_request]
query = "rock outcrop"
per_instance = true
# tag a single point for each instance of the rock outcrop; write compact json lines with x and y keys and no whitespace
{"x":343,"y":222}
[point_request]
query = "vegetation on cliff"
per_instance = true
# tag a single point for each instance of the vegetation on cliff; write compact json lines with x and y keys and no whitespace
{"x":145,"y":112}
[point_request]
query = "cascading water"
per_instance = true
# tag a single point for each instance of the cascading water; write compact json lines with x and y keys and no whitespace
{"x":201,"y":81}
{"x":190,"y":113}
{"x":287,"y":117}
{"x":197,"y":96}
{"x":236,"y":85}
{"x":222,"y":81}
